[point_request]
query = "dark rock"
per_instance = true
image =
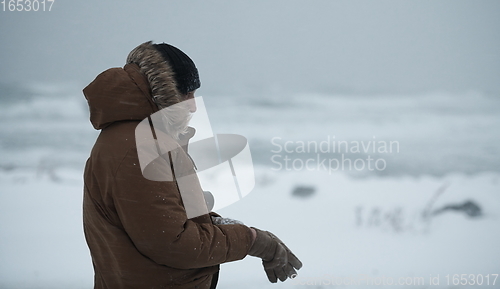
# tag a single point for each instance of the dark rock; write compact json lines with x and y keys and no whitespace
{"x":469,"y":208}
{"x":303,"y":191}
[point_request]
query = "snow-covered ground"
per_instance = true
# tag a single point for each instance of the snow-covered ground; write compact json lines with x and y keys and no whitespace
{"x":354,"y":224}
{"x":334,"y":231}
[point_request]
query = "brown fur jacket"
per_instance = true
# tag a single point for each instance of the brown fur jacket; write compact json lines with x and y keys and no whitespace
{"x":137,"y":230}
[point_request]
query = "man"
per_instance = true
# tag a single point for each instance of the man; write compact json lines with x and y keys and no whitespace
{"x":137,"y":227}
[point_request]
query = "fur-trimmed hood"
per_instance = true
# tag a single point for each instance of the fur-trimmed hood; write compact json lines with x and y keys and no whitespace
{"x":145,"y":85}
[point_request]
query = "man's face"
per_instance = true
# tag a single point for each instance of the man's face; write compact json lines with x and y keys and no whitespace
{"x":190,"y":100}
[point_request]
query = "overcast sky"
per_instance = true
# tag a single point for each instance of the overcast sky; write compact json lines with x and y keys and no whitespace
{"x":265,"y":46}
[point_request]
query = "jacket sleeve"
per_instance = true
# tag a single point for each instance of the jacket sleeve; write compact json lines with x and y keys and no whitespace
{"x":153,"y":215}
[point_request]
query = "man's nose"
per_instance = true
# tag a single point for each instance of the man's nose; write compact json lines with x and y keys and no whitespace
{"x":191,"y":105}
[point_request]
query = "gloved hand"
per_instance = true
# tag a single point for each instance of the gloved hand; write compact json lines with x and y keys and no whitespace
{"x":217,"y":220}
{"x":278,"y":261}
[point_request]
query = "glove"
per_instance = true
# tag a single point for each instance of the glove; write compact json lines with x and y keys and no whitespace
{"x":278,"y":261}
{"x":216,"y":220}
